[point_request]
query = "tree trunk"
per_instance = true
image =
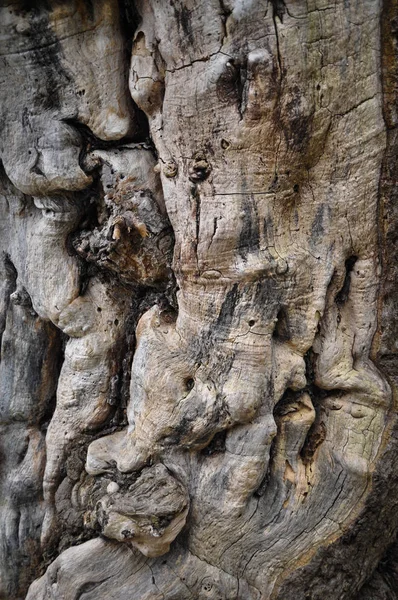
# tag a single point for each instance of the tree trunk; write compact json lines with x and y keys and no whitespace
{"x":198,"y":300}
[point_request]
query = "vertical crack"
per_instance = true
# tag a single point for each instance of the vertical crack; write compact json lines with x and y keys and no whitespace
{"x":10,"y":285}
{"x":278,"y":10}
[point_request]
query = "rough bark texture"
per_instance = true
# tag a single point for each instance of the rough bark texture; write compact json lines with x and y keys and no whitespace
{"x":198,"y":300}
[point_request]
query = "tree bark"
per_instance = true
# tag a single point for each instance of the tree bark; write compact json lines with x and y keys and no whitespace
{"x":198,"y":300}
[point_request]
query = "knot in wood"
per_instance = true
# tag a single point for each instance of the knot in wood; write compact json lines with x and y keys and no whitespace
{"x":170,"y":169}
{"x":199,"y":169}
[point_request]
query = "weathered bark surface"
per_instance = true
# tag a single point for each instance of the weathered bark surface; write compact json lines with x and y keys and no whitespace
{"x":198,"y":299}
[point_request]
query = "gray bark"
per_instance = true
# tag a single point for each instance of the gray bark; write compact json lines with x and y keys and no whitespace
{"x":198,"y":300}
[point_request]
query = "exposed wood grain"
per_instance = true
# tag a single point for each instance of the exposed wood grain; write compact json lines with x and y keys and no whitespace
{"x":197,"y":299}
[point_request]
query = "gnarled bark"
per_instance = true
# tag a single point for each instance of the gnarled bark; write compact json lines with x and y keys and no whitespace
{"x":198,"y":350}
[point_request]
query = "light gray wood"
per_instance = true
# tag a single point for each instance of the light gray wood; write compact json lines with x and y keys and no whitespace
{"x":197,"y":299}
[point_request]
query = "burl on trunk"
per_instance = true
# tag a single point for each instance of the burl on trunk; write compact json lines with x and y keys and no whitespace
{"x":198,"y":359}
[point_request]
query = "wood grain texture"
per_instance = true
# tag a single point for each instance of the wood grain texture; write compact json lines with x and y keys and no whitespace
{"x":198,"y":300}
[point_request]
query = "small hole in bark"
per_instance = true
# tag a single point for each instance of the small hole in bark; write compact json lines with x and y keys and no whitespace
{"x":116,"y":322}
{"x":342,"y":296}
{"x":217,"y":444}
{"x":318,"y":87}
{"x":99,"y":309}
{"x":35,"y":169}
{"x":126,"y":533}
{"x":315,"y":437}
{"x":252,"y":322}
{"x":189,"y":383}
{"x":281,"y":331}
{"x":296,"y":187}
{"x":224,"y":144}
